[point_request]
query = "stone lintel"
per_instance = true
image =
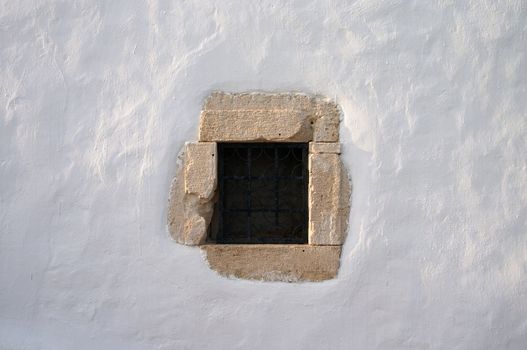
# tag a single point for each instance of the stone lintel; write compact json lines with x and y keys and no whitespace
{"x":277,"y":125}
{"x":324,"y":147}
{"x":268,"y":117}
{"x":328,"y":196}
{"x":274,"y":262}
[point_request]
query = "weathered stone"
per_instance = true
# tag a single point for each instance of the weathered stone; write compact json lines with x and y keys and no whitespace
{"x":326,"y":130}
{"x":327,"y":120}
{"x":324,"y":147}
{"x":329,"y":192}
{"x":192,"y":194}
{"x":200,"y":169}
{"x":255,"y":125}
{"x":268,"y":117}
{"x":270,"y":262}
{"x":176,"y":208}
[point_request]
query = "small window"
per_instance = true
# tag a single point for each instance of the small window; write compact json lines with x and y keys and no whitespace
{"x":262,"y":190}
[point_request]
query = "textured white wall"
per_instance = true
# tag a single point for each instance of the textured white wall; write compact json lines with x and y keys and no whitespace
{"x":97,"y":98}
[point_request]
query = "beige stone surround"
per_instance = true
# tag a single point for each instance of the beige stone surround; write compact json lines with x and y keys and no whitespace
{"x":266,"y":117}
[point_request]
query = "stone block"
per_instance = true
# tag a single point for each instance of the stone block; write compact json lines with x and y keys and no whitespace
{"x":192,"y":194}
{"x":200,"y":169}
{"x":327,"y":121}
{"x":276,"y":125}
{"x":324,"y":147}
{"x":268,"y":117}
{"x":176,"y":208}
{"x":328,"y":195}
{"x":269,"y":262}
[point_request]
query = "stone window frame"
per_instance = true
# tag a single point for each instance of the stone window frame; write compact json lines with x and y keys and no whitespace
{"x":266,"y":117}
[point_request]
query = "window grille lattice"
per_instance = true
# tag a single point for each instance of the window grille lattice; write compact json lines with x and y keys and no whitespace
{"x":262,"y":193}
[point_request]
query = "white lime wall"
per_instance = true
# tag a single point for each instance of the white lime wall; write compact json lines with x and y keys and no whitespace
{"x":97,"y":98}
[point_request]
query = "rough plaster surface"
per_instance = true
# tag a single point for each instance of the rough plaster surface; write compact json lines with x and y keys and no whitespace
{"x":98,"y":97}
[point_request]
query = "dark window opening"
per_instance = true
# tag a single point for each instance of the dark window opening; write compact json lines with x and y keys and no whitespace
{"x":262,"y":194}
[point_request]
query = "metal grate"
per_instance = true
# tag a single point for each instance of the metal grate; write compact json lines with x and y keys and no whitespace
{"x":262,"y":193}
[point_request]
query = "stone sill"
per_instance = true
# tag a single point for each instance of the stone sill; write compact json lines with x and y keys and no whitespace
{"x":274,"y":262}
